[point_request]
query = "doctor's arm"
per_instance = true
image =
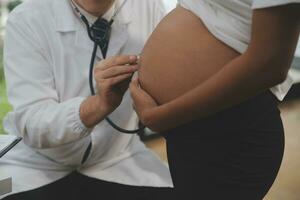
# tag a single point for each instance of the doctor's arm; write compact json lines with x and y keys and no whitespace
{"x":266,"y":62}
{"x":109,"y":73}
{"x":39,"y":115}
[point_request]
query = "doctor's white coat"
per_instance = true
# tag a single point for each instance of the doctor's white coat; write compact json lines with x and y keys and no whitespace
{"x":47,"y":54}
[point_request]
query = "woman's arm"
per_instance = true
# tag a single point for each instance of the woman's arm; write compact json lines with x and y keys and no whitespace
{"x":266,"y":62}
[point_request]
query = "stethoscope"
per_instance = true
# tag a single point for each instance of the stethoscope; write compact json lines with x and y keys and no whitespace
{"x":93,"y":58}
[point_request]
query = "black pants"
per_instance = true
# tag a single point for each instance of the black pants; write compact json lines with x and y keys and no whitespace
{"x":80,"y":187}
{"x":232,"y":155}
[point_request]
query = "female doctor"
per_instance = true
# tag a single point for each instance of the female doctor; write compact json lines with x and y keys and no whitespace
{"x":68,"y":150}
{"x":210,"y":79}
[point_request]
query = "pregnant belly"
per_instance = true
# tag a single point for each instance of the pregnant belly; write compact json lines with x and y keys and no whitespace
{"x":179,"y":55}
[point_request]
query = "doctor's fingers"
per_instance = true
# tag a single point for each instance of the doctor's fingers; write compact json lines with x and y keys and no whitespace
{"x":117,"y":60}
{"x":115,"y":71}
{"x":111,"y":82}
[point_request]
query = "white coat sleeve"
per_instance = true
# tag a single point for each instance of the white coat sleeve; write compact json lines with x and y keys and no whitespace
{"x":38,"y":115}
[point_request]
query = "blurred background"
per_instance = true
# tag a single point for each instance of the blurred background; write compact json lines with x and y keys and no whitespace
{"x":287,"y":185}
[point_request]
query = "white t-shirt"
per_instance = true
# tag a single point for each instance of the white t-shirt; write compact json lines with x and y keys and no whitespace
{"x":230,"y":21}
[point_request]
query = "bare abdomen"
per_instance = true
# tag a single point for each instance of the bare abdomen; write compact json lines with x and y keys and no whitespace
{"x":179,"y":55}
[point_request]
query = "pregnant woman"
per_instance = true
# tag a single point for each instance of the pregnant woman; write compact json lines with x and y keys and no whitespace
{"x":210,"y":79}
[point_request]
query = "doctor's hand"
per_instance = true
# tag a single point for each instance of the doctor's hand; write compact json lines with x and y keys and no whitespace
{"x":113,"y":76}
{"x":144,"y":105}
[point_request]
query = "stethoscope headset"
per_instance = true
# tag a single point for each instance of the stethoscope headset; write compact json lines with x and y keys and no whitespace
{"x":97,"y":42}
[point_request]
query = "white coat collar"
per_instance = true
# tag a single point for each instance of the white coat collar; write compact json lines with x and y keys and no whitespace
{"x":118,"y":39}
{"x":67,"y":21}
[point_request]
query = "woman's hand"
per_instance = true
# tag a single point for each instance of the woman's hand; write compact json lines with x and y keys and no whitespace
{"x":143,"y":104}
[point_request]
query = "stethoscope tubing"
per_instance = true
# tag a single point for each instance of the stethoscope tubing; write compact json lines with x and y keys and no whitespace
{"x":92,"y":89}
{"x":92,"y":63}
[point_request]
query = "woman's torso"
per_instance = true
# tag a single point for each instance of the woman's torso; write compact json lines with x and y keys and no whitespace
{"x":181,"y":54}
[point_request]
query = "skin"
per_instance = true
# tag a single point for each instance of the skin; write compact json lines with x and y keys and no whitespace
{"x":95,"y":7}
{"x":190,"y":55}
{"x":265,"y":64}
{"x":112,"y":76}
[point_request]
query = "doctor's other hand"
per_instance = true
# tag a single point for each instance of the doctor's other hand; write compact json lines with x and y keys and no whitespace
{"x":144,"y":105}
{"x":113,"y":76}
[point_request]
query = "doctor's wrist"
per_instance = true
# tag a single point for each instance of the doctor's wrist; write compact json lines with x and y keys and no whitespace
{"x":93,"y":111}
